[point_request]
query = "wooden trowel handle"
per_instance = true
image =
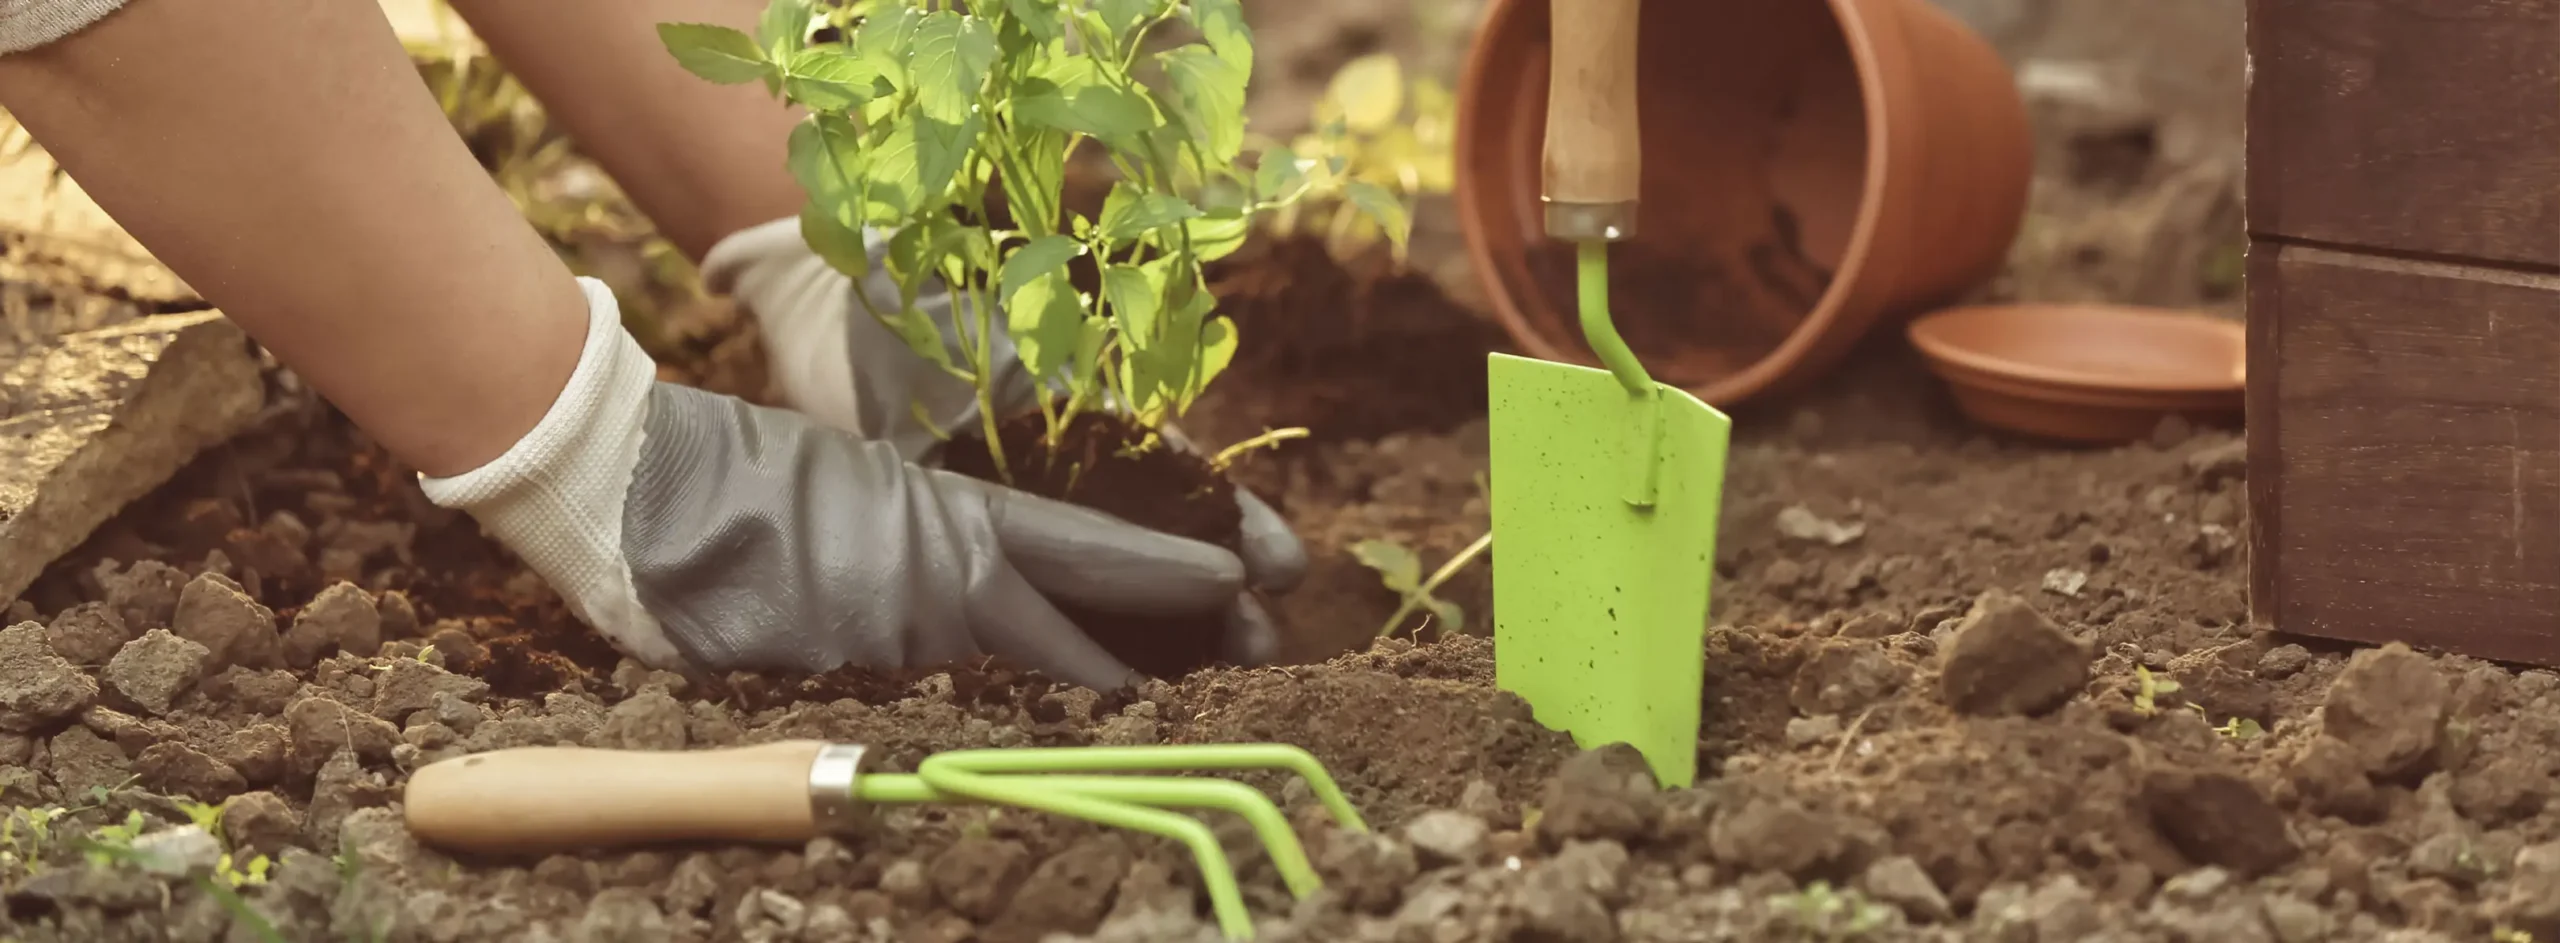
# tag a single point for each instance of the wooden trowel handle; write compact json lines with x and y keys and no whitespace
{"x":535,"y":800}
{"x":1593,"y":158}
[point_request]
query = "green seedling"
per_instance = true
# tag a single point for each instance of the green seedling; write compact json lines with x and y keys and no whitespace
{"x":1378,"y":141}
{"x":2148,"y":688}
{"x":2510,"y":935}
{"x":923,"y":120}
{"x":1401,"y":570}
{"x":1831,"y":914}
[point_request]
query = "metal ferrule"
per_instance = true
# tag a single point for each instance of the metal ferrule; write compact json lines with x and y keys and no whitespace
{"x":1586,"y":222}
{"x":835,"y":777}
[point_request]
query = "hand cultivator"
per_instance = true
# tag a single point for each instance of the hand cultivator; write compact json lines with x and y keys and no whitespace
{"x":545,"y":799}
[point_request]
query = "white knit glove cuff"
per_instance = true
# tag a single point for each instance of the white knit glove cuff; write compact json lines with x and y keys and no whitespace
{"x":556,"y":497}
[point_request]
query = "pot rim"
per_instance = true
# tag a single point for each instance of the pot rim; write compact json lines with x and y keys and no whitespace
{"x":2026,"y":371}
{"x":1765,"y":371}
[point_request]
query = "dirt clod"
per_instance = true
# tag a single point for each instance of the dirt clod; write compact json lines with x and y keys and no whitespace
{"x":146,"y":594}
{"x":1845,"y":676}
{"x":620,"y":915}
{"x":321,"y":727}
{"x":2220,"y":819}
{"x":978,"y":876}
{"x":2330,"y":778}
{"x":408,"y":685}
{"x":2389,"y":706}
{"x":1900,"y":881}
{"x":258,"y":751}
{"x":261,"y":822}
{"x":1607,"y":792}
{"x":341,"y":618}
{"x":1446,"y":836}
{"x":1775,"y":833}
{"x":88,"y":633}
{"x":180,"y":770}
{"x":213,"y":612}
{"x":2007,"y":658}
{"x":650,"y":721}
{"x":37,"y":686}
{"x":1369,"y":870}
{"x":152,"y":671}
{"x":82,"y":760}
{"x":1070,"y":892}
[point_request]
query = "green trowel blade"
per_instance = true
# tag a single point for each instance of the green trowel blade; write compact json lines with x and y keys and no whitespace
{"x":1600,"y":606}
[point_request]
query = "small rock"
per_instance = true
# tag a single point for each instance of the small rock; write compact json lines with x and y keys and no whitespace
{"x":396,"y":617}
{"x":2389,"y":705}
{"x":2449,"y":856}
{"x":131,"y":734}
{"x":2065,"y":582}
{"x":2218,"y":819}
{"x":152,"y":671}
{"x":650,"y":720}
{"x":1771,"y":833}
{"x":2283,"y":661}
{"x":2504,"y":789}
{"x":145,"y":594}
{"x":1124,"y":730}
{"x":1071,"y":891}
{"x":621,"y":915}
{"x":214,"y":613}
{"x":321,"y":727}
{"x":905,"y":883}
{"x":1900,"y":881}
{"x":2295,"y":920}
{"x":695,"y":881}
{"x":1444,"y":836}
{"x":1550,"y":912}
{"x":37,"y":686}
{"x":976,"y":876}
{"x":1800,"y":523}
{"x":411,"y":685}
{"x":177,"y":769}
{"x":1872,"y":625}
{"x":2213,"y":465}
{"x":254,"y":691}
{"x":2007,"y":658}
{"x":1370,"y":870}
{"x":82,"y":761}
{"x":1607,"y":792}
{"x":89,"y":633}
{"x":1807,"y":731}
{"x":341,"y":787}
{"x":1844,"y":676}
{"x":16,"y":749}
{"x":2198,"y":886}
{"x":1482,"y":799}
{"x":183,"y":851}
{"x":2532,"y":901}
{"x":1593,"y":867}
{"x":454,"y":712}
{"x":258,"y":751}
{"x":261,"y":823}
{"x":341,"y":618}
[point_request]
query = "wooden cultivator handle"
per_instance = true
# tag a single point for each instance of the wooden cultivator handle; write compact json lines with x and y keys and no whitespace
{"x":535,"y":800}
{"x":1593,"y":157}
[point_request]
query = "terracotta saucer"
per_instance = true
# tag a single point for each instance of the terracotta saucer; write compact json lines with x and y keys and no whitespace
{"x":2085,"y":372}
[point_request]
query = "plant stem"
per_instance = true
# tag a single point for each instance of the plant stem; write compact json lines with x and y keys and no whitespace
{"x":1269,"y":437}
{"x":1414,"y":599}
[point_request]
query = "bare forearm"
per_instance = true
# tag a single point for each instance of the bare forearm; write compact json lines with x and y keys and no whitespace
{"x":284,"y":159}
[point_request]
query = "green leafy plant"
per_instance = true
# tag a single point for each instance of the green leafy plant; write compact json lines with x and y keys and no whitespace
{"x":1401,"y":570}
{"x":1379,"y":141}
{"x":924,"y":118}
{"x":2148,"y":688}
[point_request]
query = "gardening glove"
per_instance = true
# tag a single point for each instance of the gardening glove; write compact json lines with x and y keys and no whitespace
{"x":698,"y":531}
{"x":839,"y":364}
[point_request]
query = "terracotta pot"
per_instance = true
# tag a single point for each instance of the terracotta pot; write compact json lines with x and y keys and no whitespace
{"x":2085,"y":373}
{"x":1810,"y":170}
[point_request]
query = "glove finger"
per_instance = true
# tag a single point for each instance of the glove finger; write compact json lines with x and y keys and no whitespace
{"x":1274,"y":558}
{"x":1102,"y":562}
{"x":1012,"y":620}
{"x":1252,"y":637}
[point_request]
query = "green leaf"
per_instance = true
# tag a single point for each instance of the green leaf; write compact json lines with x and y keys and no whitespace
{"x":1217,"y":350}
{"x":1383,"y":207}
{"x":1221,"y":22}
{"x":1046,"y":320}
{"x":717,"y":53}
{"x":837,"y":240}
{"x":1129,"y":213}
{"x":1368,"y":92}
{"x":1040,"y":258}
{"x":1279,"y":179}
{"x":1397,"y":566}
{"x":1098,"y":110}
{"x":828,"y":79}
{"x":827,"y":158}
{"x":892,"y":186}
{"x":784,"y":28}
{"x":1209,"y":98}
{"x":1216,"y":237}
{"x":1453,"y":618}
{"x":1121,"y":16}
{"x":1136,"y":295}
{"x":1038,"y":17}
{"x":940,"y":150}
{"x":953,"y":54}
{"x":885,"y":38}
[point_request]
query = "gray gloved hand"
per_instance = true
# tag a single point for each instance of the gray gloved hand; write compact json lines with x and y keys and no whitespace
{"x":696,"y":530}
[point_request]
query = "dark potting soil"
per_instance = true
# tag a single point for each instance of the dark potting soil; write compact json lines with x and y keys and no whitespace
{"x":1101,"y":461}
{"x":1690,"y":318}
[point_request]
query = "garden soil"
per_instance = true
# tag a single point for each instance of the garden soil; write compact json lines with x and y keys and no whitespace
{"x":1959,"y":688}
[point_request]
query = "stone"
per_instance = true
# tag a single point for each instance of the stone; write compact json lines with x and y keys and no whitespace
{"x":341,"y":787}
{"x":2283,"y":661}
{"x":91,"y":420}
{"x":1844,"y":676}
{"x":2329,"y":776}
{"x":320,"y":727}
{"x":1808,"y":731}
{"x":2294,"y":920}
{"x":905,"y":882}
{"x":1774,"y":833}
{"x":1607,"y":792}
{"x":411,"y":685}
{"x":258,"y":751}
{"x":977,"y":876}
{"x":82,"y":761}
{"x":2532,"y":901}
{"x":37,"y":687}
{"x":261,"y":823}
{"x":254,"y":691}
{"x":152,"y":671}
{"x":2007,"y":658}
{"x":1899,"y":880}
{"x":2389,"y":705}
{"x":177,"y":769}
{"x":88,"y":633}
{"x":1444,"y":836}
{"x":621,"y":915}
{"x":2220,"y":819}
{"x":1070,"y":892}
{"x":1368,"y":870}
{"x":214,"y":613}
{"x":341,"y":618}
{"x":396,"y":618}
{"x":650,"y":720}
{"x":145,"y":594}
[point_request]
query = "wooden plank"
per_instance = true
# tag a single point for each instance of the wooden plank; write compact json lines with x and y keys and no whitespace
{"x":2409,"y":487}
{"x":2425,"y":126}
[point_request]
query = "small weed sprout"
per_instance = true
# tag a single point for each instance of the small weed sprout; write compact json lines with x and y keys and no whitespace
{"x":2148,"y":688}
{"x":1378,"y":141}
{"x":1832,"y":914}
{"x":1401,"y":570}
{"x":2510,"y":935}
{"x":924,"y":118}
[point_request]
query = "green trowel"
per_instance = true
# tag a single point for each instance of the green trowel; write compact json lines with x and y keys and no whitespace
{"x":1605,"y":483}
